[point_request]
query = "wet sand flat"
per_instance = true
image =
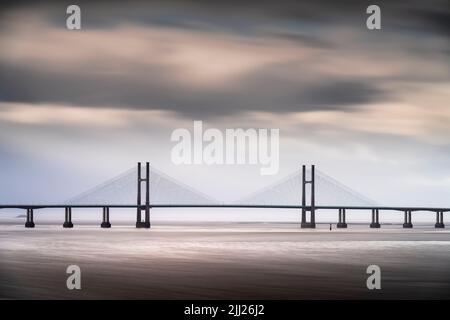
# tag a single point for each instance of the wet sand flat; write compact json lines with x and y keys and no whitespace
{"x":223,"y":261}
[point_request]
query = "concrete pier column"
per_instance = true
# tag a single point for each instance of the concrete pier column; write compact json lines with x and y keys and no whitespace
{"x":375,"y":219}
{"x":138,"y":214}
{"x":147,"y":196}
{"x":30,"y":219}
{"x":312,"y":223}
{"x":344,"y":219}
{"x":303,"y":222}
{"x":68,"y":218}
{"x":140,"y":223}
{"x":313,"y":196}
{"x":342,"y":222}
{"x":105,"y":222}
{"x":407,"y":223}
{"x":147,"y":218}
{"x":439,"y":220}
{"x":410,"y":218}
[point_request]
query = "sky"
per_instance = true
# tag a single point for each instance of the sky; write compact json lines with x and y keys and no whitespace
{"x":368,"y":107}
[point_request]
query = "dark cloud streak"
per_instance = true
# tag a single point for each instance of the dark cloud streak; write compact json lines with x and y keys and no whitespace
{"x":262,"y":91}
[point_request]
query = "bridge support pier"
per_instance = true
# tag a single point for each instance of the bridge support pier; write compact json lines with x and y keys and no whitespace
{"x":68,"y":218}
{"x":342,"y":223}
{"x":407,"y":221}
{"x":30,"y":219}
{"x":146,"y":223}
{"x":375,"y":219}
{"x":311,"y":224}
{"x":105,"y":222}
{"x":146,"y":207}
{"x":439,"y":220}
{"x":312,"y":208}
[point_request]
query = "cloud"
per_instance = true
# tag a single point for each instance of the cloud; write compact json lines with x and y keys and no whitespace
{"x":45,"y":115}
{"x":273,"y":59}
{"x":192,"y":74}
{"x":344,"y":97}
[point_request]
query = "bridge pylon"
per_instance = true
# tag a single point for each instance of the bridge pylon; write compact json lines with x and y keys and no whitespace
{"x":311,"y":208}
{"x":143,"y":207}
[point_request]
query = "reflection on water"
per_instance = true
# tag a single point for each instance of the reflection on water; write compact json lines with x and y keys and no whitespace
{"x":268,"y":261}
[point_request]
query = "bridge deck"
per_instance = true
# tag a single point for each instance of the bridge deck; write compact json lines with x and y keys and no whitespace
{"x":389,"y":208}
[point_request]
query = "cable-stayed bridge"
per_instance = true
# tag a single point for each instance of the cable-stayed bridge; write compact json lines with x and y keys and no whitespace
{"x":123,"y":189}
{"x":287,"y":191}
{"x":166,"y":190}
{"x":304,"y":190}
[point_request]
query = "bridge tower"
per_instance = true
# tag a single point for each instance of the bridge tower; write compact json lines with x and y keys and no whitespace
{"x":146,"y":206}
{"x":312,"y":208}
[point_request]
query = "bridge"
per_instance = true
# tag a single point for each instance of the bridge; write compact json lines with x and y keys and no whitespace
{"x":169,"y":193}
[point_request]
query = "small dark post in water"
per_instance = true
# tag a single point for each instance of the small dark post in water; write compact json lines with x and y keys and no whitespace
{"x":407,"y":222}
{"x":68,"y":218}
{"x":30,"y":219}
{"x":146,"y":207}
{"x":312,"y":209}
{"x":105,"y":222}
{"x":342,"y":223}
{"x":439,"y":220}
{"x":375,"y":219}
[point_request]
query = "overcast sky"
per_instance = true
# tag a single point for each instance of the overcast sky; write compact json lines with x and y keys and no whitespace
{"x":369,"y":108}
